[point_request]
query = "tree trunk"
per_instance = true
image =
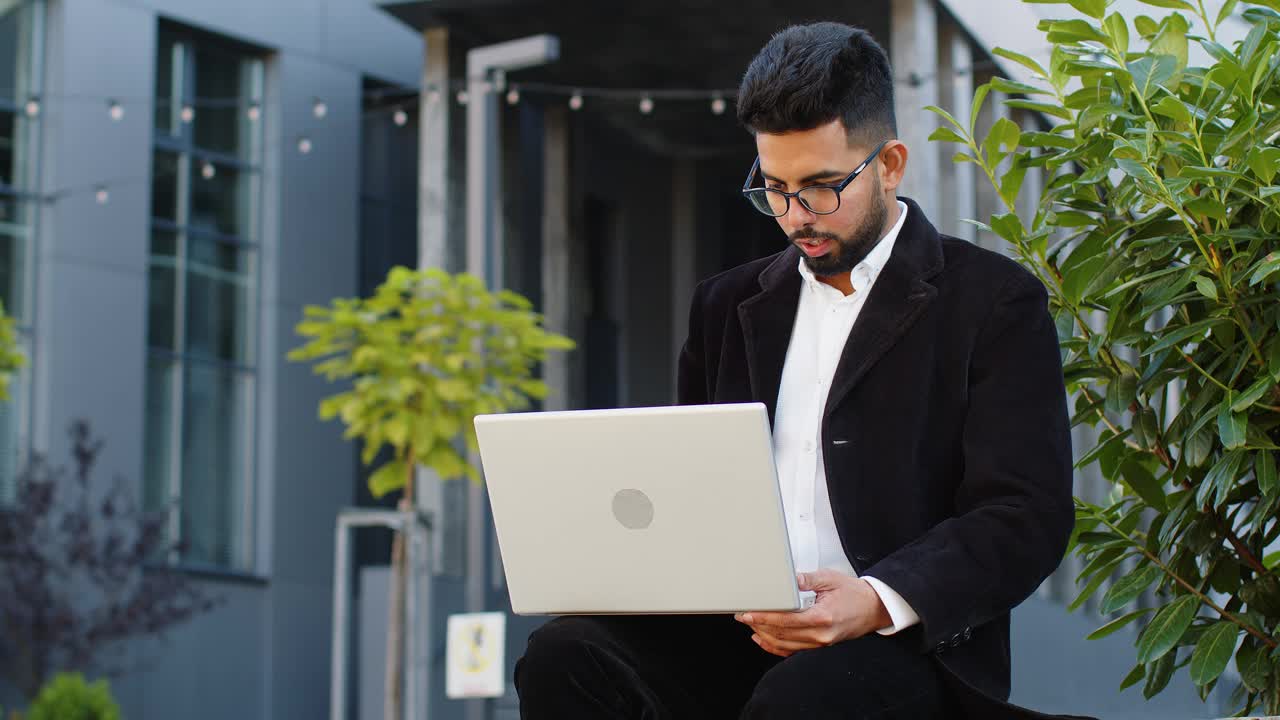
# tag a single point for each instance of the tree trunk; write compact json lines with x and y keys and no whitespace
{"x":393,"y":707}
{"x":394,"y":700}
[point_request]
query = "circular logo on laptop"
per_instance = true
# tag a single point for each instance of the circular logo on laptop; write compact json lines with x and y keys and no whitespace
{"x":633,"y":509}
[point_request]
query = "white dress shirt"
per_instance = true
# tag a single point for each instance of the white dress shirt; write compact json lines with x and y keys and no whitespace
{"x":824,"y":318}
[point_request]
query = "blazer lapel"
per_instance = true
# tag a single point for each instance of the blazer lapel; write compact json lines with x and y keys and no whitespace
{"x":900,"y":294}
{"x":767,"y":319}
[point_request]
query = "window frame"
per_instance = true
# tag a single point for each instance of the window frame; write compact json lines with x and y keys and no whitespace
{"x":177,"y":359}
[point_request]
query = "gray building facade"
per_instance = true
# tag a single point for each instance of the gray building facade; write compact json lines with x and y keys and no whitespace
{"x":179,"y":178}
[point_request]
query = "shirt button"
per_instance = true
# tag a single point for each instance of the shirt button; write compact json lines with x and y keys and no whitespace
{"x":808,"y":446}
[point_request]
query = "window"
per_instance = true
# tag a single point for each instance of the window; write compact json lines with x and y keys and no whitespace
{"x":20,"y":52}
{"x":202,"y":296}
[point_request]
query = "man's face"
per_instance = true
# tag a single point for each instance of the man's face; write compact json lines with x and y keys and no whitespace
{"x":834,"y":243}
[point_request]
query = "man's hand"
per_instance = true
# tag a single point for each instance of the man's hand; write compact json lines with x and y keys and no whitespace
{"x":845,"y":608}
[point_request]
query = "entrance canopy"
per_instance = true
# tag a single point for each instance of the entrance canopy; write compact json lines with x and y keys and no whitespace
{"x":659,"y":45}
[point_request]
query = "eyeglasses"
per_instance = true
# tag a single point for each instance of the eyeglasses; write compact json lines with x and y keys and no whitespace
{"x":817,"y":199}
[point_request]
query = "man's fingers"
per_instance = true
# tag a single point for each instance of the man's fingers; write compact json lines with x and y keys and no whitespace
{"x":819,"y":580}
{"x":769,"y":647}
{"x":789,"y":645}
{"x":814,"y":617}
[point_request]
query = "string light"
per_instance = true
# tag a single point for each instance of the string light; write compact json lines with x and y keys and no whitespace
{"x":254,"y":112}
{"x":400,"y":117}
{"x":32,"y":108}
{"x":208,"y":171}
{"x":102,"y":195}
{"x":187,"y":114}
{"x":115,"y":110}
{"x":513,"y":96}
{"x":319,"y":109}
{"x":717,"y":105}
{"x":646,"y":105}
{"x":575,"y":102}
{"x":304,"y":145}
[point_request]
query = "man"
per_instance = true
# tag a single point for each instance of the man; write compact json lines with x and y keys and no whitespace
{"x":920,"y":432}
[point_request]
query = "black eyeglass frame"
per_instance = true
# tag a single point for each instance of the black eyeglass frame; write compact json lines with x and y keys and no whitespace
{"x":748,"y":191}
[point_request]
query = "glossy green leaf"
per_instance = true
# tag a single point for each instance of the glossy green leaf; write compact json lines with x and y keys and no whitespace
{"x":1144,"y":484}
{"x":1165,"y":629}
{"x":1173,"y":4}
{"x":1022,"y":60}
{"x":1213,"y":651}
{"x":1118,"y":623}
{"x":1150,"y":72}
{"x":946,"y":134}
{"x":1265,"y":269}
{"x":1264,"y":469}
{"x":1158,"y":675}
{"x":1231,"y":425}
{"x":1127,"y":588}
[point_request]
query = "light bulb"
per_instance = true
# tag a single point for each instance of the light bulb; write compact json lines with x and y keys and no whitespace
{"x":115,"y":110}
{"x":320,"y":109}
{"x":575,"y":102}
{"x":646,"y":105}
{"x":102,"y":196}
{"x":513,"y":96}
{"x":254,"y":112}
{"x":718,"y":106}
{"x":400,"y":117}
{"x":304,"y":146}
{"x":463,"y":97}
{"x":208,"y":171}
{"x":188,"y":114}
{"x":32,"y":108}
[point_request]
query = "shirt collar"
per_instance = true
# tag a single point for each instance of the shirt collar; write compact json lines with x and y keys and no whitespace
{"x":866,"y":271}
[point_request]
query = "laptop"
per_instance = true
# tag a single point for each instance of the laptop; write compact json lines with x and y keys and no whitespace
{"x":639,"y":510}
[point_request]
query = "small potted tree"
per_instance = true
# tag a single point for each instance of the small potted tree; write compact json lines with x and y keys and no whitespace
{"x":419,"y":360}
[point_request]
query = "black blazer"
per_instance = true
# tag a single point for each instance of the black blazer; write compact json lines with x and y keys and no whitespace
{"x":945,"y":434}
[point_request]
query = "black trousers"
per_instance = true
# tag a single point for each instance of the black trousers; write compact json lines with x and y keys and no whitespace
{"x":687,"y":666}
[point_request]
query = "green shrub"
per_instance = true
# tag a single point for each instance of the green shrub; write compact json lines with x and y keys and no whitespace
{"x":68,"y":697}
{"x":1157,"y":235}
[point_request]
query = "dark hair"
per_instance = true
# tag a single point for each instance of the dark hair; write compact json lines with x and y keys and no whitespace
{"x":809,"y":75}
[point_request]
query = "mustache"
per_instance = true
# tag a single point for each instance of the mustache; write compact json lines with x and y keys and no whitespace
{"x":810,"y":234}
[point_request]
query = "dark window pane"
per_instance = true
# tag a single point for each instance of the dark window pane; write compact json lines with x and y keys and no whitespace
{"x":164,"y":243}
{"x":8,"y":148}
{"x":162,"y":296}
{"x":14,"y":51}
{"x":220,"y":199}
{"x":217,"y":318}
{"x":162,"y":377}
{"x":216,"y":425}
{"x":164,"y":186}
{"x":12,"y":263}
{"x":224,"y":82}
{"x":12,"y":210}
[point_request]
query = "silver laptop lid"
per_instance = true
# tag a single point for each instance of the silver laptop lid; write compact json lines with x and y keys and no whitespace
{"x":641,"y":510}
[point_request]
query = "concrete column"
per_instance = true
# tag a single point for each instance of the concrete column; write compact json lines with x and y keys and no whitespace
{"x":433,"y":228}
{"x":433,"y":152}
{"x":913,"y":48}
{"x":557,"y":255}
{"x":958,"y":193}
{"x":683,"y":256}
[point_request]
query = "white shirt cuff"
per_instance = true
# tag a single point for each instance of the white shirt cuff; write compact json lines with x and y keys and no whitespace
{"x":900,"y":612}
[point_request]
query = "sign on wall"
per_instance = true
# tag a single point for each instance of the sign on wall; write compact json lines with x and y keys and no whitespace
{"x":476,"y":660}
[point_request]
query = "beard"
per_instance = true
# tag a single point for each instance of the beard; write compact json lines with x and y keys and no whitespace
{"x":850,"y":249}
